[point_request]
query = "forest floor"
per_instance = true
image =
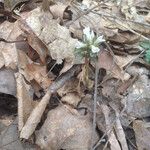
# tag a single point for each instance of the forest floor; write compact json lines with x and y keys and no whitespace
{"x":74,"y":75}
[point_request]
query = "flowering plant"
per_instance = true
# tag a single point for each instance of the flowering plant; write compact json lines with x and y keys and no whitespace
{"x":89,"y":47}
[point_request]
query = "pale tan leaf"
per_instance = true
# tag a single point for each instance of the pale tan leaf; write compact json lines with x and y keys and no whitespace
{"x":125,"y":38}
{"x":114,"y":144}
{"x":39,"y":74}
{"x":65,"y":128}
{"x":2,"y":63}
{"x":25,"y":100}
{"x":123,"y":61}
{"x":59,"y":11}
{"x":120,"y":132}
{"x":9,"y":31}
{"x":57,"y":38}
{"x":142,"y":135}
{"x":72,"y":99}
{"x":35,"y":117}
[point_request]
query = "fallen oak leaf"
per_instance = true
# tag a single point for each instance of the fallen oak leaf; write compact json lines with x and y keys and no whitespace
{"x":107,"y":61}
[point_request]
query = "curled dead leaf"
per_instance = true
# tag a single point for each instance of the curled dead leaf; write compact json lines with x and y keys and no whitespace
{"x":64,"y":128}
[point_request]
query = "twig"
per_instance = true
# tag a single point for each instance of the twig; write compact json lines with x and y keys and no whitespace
{"x":115,"y":17}
{"x":84,"y":13}
{"x":16,"y":41}
{"x":95,"y":103}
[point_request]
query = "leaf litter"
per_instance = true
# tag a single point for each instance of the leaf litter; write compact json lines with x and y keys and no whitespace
{"x":38,"y":65}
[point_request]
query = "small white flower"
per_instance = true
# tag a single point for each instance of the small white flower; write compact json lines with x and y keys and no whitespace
{"x":100,"y":39}
{"x":94,"y":49}
{"x":80,"y":45}
{"x":88,"y":33}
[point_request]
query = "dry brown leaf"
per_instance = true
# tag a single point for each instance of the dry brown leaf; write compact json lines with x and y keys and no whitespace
{"x":37,"y":112}
{"x":119,"y":131}
{"x":109,"y":87}
{"x":39,"y":74}
{"x":57,"y":38}
{"x":7,"y":82}
{"x":10,"y":4}
{"x":114,"y":144}
{"x":108,"y":62}
{"x":67,"y":66}
{"x":72,"y":99}
{"x":60,"y":11}
{"x":9,"y":31}
{"x":38,"y":46}
{"x":123,"y":61}
{"x":33,"y":71}
{"x":65,"y":128}
{"x":147,"y":18}
{"x":25,"y":100}
{"x":125,"y":38}
{"x":142,"y":135}
{"x":35,"y":117}
{"x":69,"y":87}
{"x":124,"y":86}
{"x":2,"y":62}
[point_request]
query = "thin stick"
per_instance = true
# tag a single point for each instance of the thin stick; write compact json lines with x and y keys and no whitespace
{"x":95,"y":102}
{"x":84,"y":13}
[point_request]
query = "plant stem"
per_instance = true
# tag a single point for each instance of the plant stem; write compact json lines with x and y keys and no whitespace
{"x":87,"y":61}
{"x":94,"y":106}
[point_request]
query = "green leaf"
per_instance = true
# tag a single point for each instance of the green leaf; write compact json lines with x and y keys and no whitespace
{"x":145,"y":44}
{"x":147,"y":56}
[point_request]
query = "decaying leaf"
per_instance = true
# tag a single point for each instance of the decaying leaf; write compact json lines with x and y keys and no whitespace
{"x":37,"y":112}
{"x":142,"y":135}
{"x":64,"y":128}
{"x":114,"y":144}
{"x":119,"y":131}
{"x":137,"y":100}
{"x":60,"y":11}
{"x":39,"y":74}
{"x":7,"y":82}
{"x":25,"y":100}
{"x":9,"y":31}
{"x":35,"y":117}
{"x":38,"y":46}
{"x":69,"y":87}
{"x":125,"y":38}
{"x":71,"y":99}
{"x":108,"y":62}
{"x":123,"y":61}
{"x":57,"y":38}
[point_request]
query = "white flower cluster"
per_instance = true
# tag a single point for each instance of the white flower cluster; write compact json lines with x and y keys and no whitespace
{"x":90,"y":38}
